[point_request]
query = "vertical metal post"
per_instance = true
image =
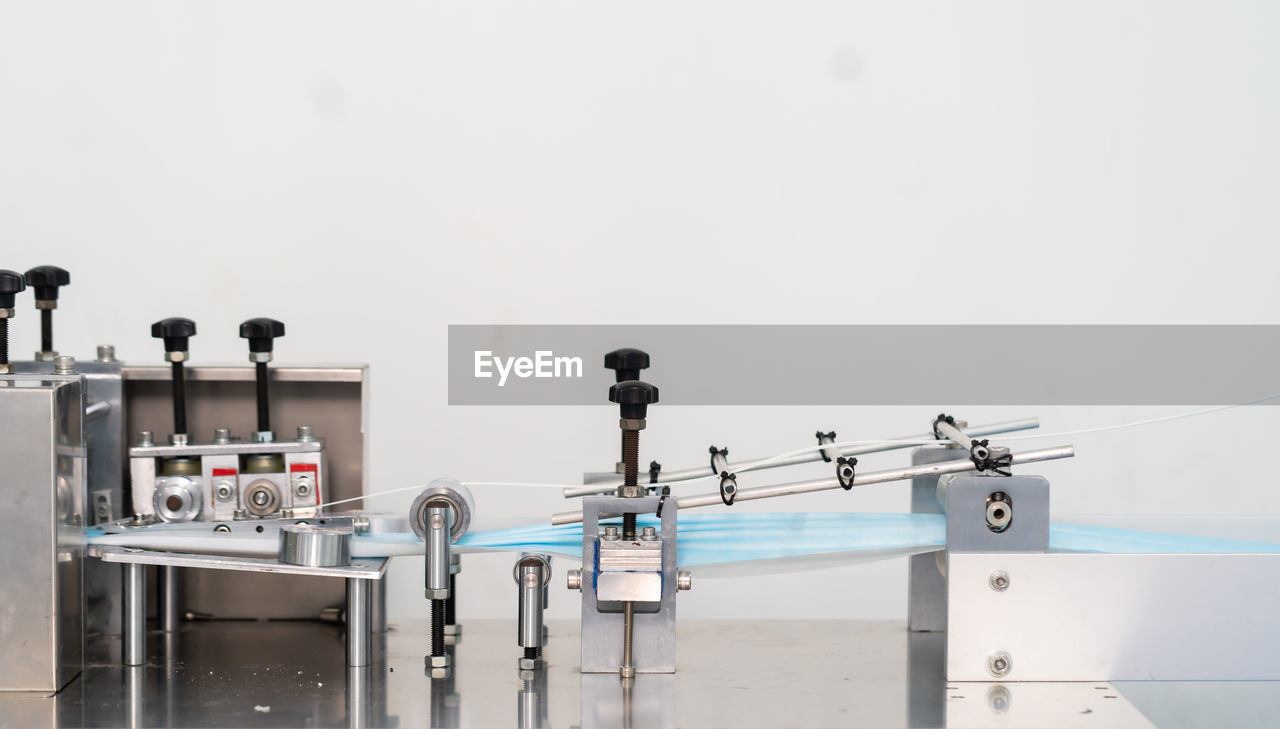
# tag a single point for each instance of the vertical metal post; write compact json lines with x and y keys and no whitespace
{"x":378,"y":605}
{"x":357,"y":622}
{"x":170,"y":599}
{"x":135,"y":615}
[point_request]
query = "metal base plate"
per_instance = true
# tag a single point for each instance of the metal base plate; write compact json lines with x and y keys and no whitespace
{"x":742,"y":674}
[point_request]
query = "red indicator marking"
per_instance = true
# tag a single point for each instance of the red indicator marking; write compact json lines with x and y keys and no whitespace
{"x":224,"y":472}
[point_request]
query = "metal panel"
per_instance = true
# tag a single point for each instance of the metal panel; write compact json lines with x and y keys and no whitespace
{"x":41,"y":547}
{"x":333,"y":400}
{"x":1115,"y":617}
{"x":1059,"y":705}
{"x":926,"y":587}
{"x":965,"y":499}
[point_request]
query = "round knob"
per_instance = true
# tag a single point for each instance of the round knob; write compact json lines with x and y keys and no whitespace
{"x":175,"y":331}
{"x":626,"y":363}
{"x":261,"y":333}
{"x":633,"y":398}
{"x":11,"y":282}
{"x":46,"y":280}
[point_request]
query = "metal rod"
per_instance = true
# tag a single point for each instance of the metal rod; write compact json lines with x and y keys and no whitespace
{"x":862,"y":479}
{"x":170,"y":599}
{"x":954,"y":434}
{"x":357,"y":622}
{"x":1008,"y":426}
{"x":134,"y":651}
{"x":46,"y":330}
{"x":628,"y":669}
{"x":378,"y":606}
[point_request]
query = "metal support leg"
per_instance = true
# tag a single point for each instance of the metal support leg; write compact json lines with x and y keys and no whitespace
{"x":378,"y":605}
{"x":358,"y":620}
{"x":135,"y":615}
{"x":170,"y":598}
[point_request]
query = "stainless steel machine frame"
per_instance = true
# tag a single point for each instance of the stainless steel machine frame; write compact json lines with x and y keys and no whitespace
{"x":41,"y":549}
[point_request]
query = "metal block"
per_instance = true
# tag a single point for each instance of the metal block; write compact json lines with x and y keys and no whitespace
{"x":966,"y":499}
{"x":926,"y":587}
{"x":602,"y":620}
{"x":41,"y":547}
{"x":1115,"y":617}
{"x":629,"y":571}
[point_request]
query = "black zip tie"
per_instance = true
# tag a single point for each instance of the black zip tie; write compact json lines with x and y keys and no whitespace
{"x":845,"y":472}
{"x":721,"y":452}
{"x":998,"y":465}
{"x":823,"y":450}
{"x":655,"y":468}
{"x":942,"y":418}
{"x":728,"y":487}
{"x":666,"y":491}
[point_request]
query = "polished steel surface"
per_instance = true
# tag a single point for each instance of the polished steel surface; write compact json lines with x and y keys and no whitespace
{"x":731,"y":674}
{"x":369,"y":568}
{"x":42,"y":481}
{"x":315,"y":546}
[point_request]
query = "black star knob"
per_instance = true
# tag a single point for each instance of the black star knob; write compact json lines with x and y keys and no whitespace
{"x":633,"y":398}
{"x":11,"y":282}
{"x":175,"y":331}
{"x":261,"y":333}
{"x":626,"y":363}
{"x":46,"y":280}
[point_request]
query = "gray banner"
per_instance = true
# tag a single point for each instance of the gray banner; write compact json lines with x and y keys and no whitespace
{"x":870,"y":365}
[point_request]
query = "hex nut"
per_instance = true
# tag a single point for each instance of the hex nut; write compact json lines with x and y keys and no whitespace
{"x":437,"y":594}
{"x":531,"y":664}
{"x":439,"y":661}
{"x":454,"y":629}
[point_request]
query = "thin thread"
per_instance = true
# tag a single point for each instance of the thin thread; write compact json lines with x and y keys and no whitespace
{"x":848,"y":443}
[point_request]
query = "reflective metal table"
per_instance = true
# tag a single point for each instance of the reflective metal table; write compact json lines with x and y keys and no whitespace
{"x":739,"y":674}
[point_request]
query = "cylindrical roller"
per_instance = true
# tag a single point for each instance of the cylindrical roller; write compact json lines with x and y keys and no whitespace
{"x":315,"y":546}
{"x":450,"y":491}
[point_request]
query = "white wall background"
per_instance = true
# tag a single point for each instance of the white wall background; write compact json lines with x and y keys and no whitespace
{"x":372,"y":172}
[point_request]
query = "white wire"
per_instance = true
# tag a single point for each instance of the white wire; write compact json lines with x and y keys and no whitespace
{"x":843,"y":444}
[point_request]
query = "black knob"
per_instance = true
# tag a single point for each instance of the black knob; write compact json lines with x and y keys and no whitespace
{"x":175,"y":331}
{"x":626,"y":363}
{"x":46,"y":280}
{"x":633,"y":398}
{"x":261,"y":333}
{"x":11,"y":282}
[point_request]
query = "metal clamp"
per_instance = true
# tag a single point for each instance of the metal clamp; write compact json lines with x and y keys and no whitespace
{"x":987,"y":457}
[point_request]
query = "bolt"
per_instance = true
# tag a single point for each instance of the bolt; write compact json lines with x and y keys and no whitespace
{"x":221,"y":435}
{"x":999,"y":580}
{"x":649,"y":534}
{"x":999,"y":664}
{"x":684,"y":580}
{"x":223,"y":491}
{"x":260,"y":498}
{"x":304,"y":434}
{"x":574,"y":579}
{"x":64,"y":364}
{"x":633,"y":398}
{"x":106,"y":353}
{"x":178,"y":439}
{"x":145,"y":438}
{"x":303,"y":487}
{"x":176,"y":333}
{"x":611,"y":533}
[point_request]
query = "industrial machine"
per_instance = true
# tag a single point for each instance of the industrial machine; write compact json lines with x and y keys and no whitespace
{"x":246,"y":512}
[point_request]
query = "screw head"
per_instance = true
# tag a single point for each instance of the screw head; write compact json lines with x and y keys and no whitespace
{"x":999,"y":664}
{"x":574,"y":579}
{"x":145,"y":438}
{"x":649,"y":534}
{"x":999,"y":580}
{"x":106,"y":353}
{"x":64,"y":364}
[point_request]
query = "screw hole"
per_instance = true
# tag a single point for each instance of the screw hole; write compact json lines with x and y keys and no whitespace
{"x":259,"y":529}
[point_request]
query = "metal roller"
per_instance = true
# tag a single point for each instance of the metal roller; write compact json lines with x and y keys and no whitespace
{"x":314,"y":546}
{"x":459,"y":499}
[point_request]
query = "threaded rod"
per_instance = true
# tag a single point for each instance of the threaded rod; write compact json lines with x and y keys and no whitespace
{"x":4,"y":341}
{"x":46,"y":330}
{"x":179,"y":398}
{"x":532,"y":652}
{"x":451,"y":605}
{"x":437,"y":628}
{"x":264,"y":408}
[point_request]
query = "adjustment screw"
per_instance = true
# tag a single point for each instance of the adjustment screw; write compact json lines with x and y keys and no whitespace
{"x":574,"y":579}
{"x":633,"y":398}
{"x":221,"y":436}
{"x":649,"y":534}
{"x":106,"y":353}
{"x":999,"y":664}
{"x":684,"y":580}
{"x":304,"y":434}
{"x":64,"y":364}
{"x":145,"y":438}
{"x":999,"y":580}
